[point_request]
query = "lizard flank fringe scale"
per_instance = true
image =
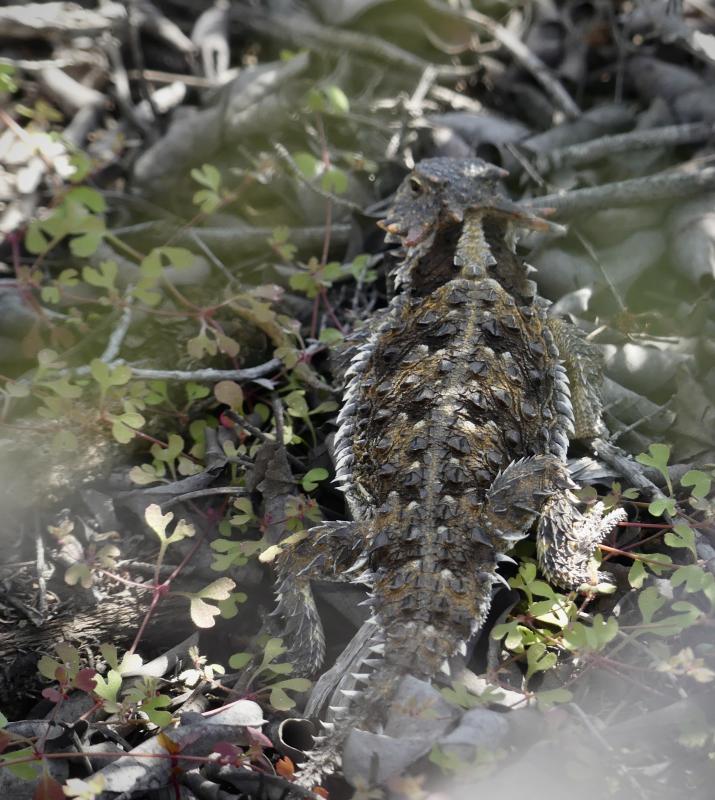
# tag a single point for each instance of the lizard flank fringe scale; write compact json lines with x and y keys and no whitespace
{"x":451,"y":446}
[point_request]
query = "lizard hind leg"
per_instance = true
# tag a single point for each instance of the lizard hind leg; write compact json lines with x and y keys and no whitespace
{"x":328,"y":553}
{"x":567,"y":540}
{"x":540,"y":488}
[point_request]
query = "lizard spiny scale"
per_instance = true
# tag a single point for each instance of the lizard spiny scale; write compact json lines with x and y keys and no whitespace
{"x":464,"y":410}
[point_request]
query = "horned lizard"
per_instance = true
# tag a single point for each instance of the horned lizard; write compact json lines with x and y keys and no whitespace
{"x":451,"y":444}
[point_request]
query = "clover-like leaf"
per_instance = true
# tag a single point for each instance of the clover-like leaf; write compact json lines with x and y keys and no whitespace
{"x":657,"y":457}
{"x":156,"y":520}
{"x":649,"y":602}
{"x":551,"y":697}
{"x":681,"y":536}
{"x":279,"y":699}
{"x":202,"y":614}
{"x":89,"y":789}
{"x":662,"y":505}
{"x":229,"y":393}
{"x":239,"y":660}
{"x":637,"y":574}
{"x":700,"y":481}
{"x":207,"y":176}
{"x":107,"y":687}
{"x":538,"y":659}
{"x":312,"y":478}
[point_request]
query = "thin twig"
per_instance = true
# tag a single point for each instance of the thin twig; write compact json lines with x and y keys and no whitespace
{"x":528,"y":60}
{"x":114,"y":343}
{"x":286,"y":157}
{"x":214,"y":490}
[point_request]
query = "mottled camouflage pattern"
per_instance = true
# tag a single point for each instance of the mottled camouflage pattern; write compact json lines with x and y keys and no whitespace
{"x":451,"y":446}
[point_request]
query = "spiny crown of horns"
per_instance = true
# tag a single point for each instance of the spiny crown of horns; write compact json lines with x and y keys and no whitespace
{"x":440,"y":189}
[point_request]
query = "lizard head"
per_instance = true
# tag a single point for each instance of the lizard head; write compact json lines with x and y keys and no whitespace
{"x":436,"y":194}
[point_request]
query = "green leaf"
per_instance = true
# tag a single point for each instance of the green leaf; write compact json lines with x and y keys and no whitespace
{"x":35,"y":240}
{"x":337,"y":99}
{"x":195,"y":391}
{"x":662,"y":505}
{"x":315,"y":100}
{"x":280,"y":700}
{"x":307,"y":163}
{"x":7,"y":82}
{"x":207,"y":176}
{"x":538,"y":659}
{"x":107,"y":376}
{"x":637,"y":574}
{"x":202,"y":614}
{"x":88,"y":243}
{"x":334,"y":180}
{"x":207,"y":200}
{"x":229,"y":393}
{"x":27,"y":771}
{"x":694,"y":577}
{"x":312,"y":478}
{"x":657,"y":562}
{"x":143,"y":292}
{"x":657,"y":457}
{"x":178,"y":257}
{"x":156,"y":520}
{"x":219,"y":589}
{"x":513,"y":633}
{"x":108,"y":688}
{"x":296,"y":684}
{"x":50,"y":294}
{"x":245,"y":508}
{"x":304,"y":282}
{"x":82,"y":164}
{"x":330,"y":336}
{"x":229,"y":606}
{"x":550,"y":611}
{"x":551,"y":697}
{"x":130,"y":661}
{"x":64,"y":388}
{"x":700,"y":481}
{"x":104,"y":277}
{"x":88,"y":197}
{"x":280,"y":669}
{"x":273,"y":648}
{"x":681,"y":536}
{"x":239,"y":660}
{"x":168,"y":454}
{"x":649,"y":602}
{"x":151,"y":707}
{"x":183,"y":530}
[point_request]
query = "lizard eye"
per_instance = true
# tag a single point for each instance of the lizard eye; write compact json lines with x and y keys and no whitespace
{"x":416,"y":185}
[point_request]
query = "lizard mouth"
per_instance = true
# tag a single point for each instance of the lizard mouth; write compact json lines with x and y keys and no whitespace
{"x":410,"y":237}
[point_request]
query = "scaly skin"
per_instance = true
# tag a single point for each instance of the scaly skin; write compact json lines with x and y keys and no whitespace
{"x":452,"y":444}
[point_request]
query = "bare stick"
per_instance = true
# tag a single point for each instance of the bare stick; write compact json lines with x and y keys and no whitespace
{"x":639,"y":191}
{"x":305,"y":32}
{"x":586,"y":152}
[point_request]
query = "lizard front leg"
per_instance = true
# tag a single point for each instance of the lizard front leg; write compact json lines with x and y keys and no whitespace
{"x":329,"y":552}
